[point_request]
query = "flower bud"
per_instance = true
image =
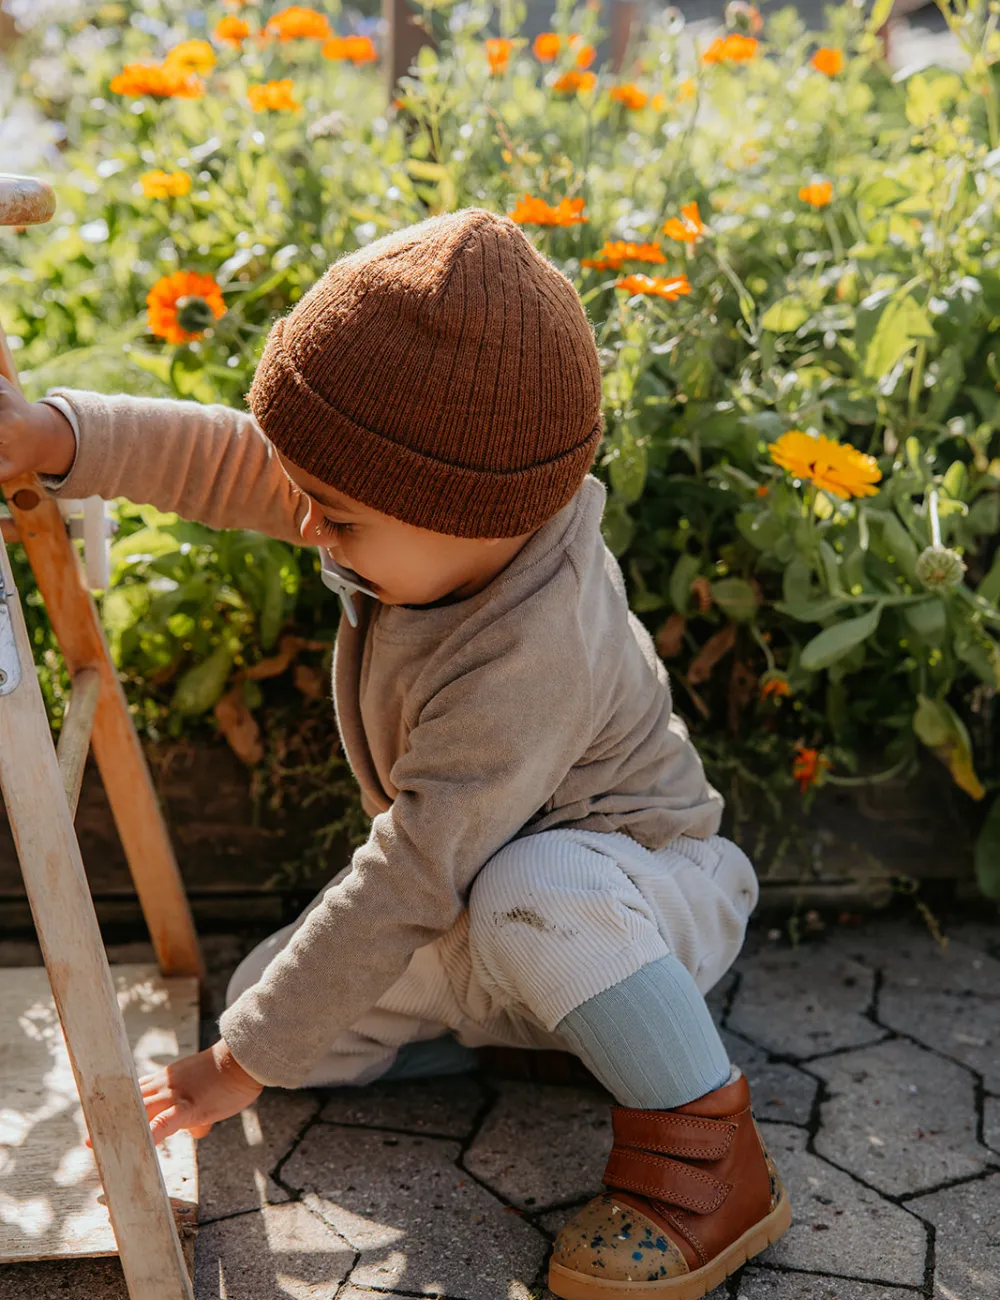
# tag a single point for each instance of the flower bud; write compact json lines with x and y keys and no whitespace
{"x":940,"y":567}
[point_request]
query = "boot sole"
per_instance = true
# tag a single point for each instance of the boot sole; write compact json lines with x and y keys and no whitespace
{"x":570,"y":1285}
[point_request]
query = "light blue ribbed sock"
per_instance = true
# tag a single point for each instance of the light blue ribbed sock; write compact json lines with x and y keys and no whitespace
{"x":650,"y":1039}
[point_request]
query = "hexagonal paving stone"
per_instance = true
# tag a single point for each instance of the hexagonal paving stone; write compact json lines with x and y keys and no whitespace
{"x":804,"y":1001}
{"x":236,"y":1159}
{"x":281,"y":1252}
{"x":779,"y":1091}
{"x":949,"y":1000}
{"x":758,"y":1284}
{"x":899,"y":1117}
{"x":839,"y":1226}
{"x":444,"y":1107}
{"x":420,"y":1223}
{"x":542,"y":1145}
{"x":967,"y":1246}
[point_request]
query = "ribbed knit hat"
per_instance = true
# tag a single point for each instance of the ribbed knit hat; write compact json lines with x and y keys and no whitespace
{"x":445,"y":374}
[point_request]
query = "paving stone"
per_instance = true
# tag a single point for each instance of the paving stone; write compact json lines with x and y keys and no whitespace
{"x":718,"y":996}
{"x":899,"y":1117}
{"x":542,"y":1145}
{"x":759,"y":1284}
{"x":419,"y":1222}
{"x":281,"y":1252}
{"x":949,"y":1000}
{"x":991,"y":1123}
{"x":967,"y":1247}
{"x":839,"y":1226}
{"x":803,"y":1001}
{"x":445,"y":1107}
{"x":237,"y":1158}
{"x":779,"y":1091}
{"x":69,"y":1279}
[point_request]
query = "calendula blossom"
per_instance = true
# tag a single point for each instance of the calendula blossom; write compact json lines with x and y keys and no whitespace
{"x":687,"y":90}
{"x":192,"y":56}
{"x":231,"y":30}
{"x":630,"y":95}
{"x":828,"y":59}
{"x":774,"y":688}
{"x":836,"y":467}
{"x":165,"y":185}
{"x":298,"y":23}
{"x":536,"y":212}
{"x":359,"y":49}
{"x":183,"y":305}
{"x":273,"y":96}
{"x":546,"y":46}
{"x":615,"y":252}
{"x":670,"y":288}
{"x":733,"y":48}
{"x":585,"y":54}
{"x":688,"y":228}
{"x":808,"y":766}
{"x":158,"y":80}
{"x":498,"y":51}
{"x":817,"y":195}
{"x":572,"y":82}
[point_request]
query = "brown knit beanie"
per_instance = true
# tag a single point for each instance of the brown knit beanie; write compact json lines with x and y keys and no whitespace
{"x":445,"y":374}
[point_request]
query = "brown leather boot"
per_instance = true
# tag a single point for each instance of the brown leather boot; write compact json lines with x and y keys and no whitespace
{"x":693,"y":1195}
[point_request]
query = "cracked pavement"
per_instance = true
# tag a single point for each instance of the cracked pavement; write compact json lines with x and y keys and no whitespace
{"x":874,"y":1060}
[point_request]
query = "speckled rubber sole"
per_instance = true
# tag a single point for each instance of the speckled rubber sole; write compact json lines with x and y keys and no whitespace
{"x":570,"y":1285}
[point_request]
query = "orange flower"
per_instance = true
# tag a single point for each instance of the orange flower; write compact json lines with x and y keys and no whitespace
{"x":183,"y":305}
{"x":585,"y":54}
{"x":231,"y":31}
{"x":828,"y":59}
{"x":687,"y":90}
{"x":818,"y":194}
{"x":775,"y":688}
{"x":298,"y":22}
{"x":165,"y":185}
{"x":546,"y":46}
{"x":275,"y":96}
{"x":613,"y":254}
{"x":191,"y":56}
{"x":835,"y":467}
{"x":808,"y":767}
{"x":573,"y":81}
{"x":359,"y":49}
{"x":159,"y":80}
{"x":630,"y":95}
{"x":671,"y":288}
{"x":498,"y":53}
{"x":733,"y":48}
{"x":536,"y":212}
{"x":688,"y":228}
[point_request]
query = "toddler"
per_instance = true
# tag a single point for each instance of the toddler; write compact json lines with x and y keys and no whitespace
{"x":543,"y":868}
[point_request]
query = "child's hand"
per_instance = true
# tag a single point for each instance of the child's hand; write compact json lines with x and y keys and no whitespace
{"x":35,"y":438}
{"x":196,"y":1092}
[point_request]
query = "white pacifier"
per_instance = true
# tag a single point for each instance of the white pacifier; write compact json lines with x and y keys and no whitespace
{"x":343,"y":583}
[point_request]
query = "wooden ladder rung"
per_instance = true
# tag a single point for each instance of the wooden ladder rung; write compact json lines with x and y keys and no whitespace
{"x":74,"y":739}
{"x":9,"y":530}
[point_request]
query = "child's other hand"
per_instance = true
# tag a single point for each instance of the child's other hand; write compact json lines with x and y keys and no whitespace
{"x":35,"y":438}
{"x":196,"y":1092}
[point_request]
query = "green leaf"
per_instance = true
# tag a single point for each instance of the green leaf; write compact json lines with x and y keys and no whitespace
{"x":901,"y":323}
{"x":737,"y":598}
{"x":834,"y":642}
{"x":272,"y":607}
{"x":900,"y":544}
{"x":940,"y":728}
{"x":928,"y":619}
{"x":785,"y":315}
{"x":810,"y":611}
{"x":987,"y":853}
{"x":627,"y":467}
{"x":881,"y":10}
{"x":684,"y":573}
{"x":201,"y":686}
{"x":617,"y":527}
{"x":977,"y":648}
{"x":143,"y":544}
{"x":796,"y":582}
{"x":883,"y":191}
{"x":989,"y":588}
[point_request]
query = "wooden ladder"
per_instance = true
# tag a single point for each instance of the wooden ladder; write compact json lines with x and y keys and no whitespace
{"x":40,"y":789}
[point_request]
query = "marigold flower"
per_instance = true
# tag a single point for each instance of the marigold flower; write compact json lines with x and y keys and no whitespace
{"x":733,"y":48}
{"x":614,"y":253}
{"x":192,"y":56}
{"x":828,"y":59}
{"x":836,"y":467}
{"x":536,"y":212}
{"x":273,"y":96}
{"x":573,"y":81}
{"x":165,"y":185}
{"x":688,"y":228}
{"x":818,"y":194}
{"x":774,"y":688}
{"x":231,"y":31}
{"x":670,"y":288}
{"x":183,"y":305}
{"x":630,"y":95}
{"x":585,"y":54}
{"x":808,"y":766}
{"x":498,"y":51}
{"x":298,"y":22}
{"x":359,"y":49}
{"x":157,"y":79}
{"x":546,"y":46}
{"x":687,"y":90}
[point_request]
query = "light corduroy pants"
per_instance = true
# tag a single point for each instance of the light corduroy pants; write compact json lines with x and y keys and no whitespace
{"x":553,"y":919}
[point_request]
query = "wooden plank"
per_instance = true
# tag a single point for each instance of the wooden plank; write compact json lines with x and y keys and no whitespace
{"x":404,"y":38}
{"x":74,"y":738}
{"x":51,"y":1201}
{"x":85,"y":997}
{"x":116,"y":746}
{"x":626,"y":19}
{"x":8,"y":530}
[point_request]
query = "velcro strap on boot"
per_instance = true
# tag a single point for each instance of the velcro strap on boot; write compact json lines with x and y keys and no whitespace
{"x":665,"y":1180}
{"x":692,"y":1137}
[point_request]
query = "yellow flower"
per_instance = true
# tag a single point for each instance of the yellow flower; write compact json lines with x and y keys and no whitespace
{"x":159,"y":80}
{"x":573,"y":81}
{"x":298,"y":22}
{"x":630,"y":95}
{"x":191,"y":56}
{"x":498,"y":51}
{"x":818,"y":194}
{"x":671,"y":288}
{"x":165,"y":185}
{"x":613,"y":254}
{"x":546,"y":46}
{"x":658,"y":103}
{"x":828,"y":59}
{"x":687,"y":90}
{"x":688,"y":228}
{"x":536,"y":212}
{"x":275,"y":96}
{"x":231,"y":30}
{"x":836,"y":467}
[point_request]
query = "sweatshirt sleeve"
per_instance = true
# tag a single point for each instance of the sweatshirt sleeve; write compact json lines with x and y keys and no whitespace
{"x":210,"y":464}
{"x":488,"y":749}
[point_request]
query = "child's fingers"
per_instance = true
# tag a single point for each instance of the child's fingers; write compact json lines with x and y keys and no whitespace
{"x":166,"y":1123}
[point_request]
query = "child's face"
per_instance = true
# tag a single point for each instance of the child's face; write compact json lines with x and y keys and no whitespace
{"x":402,"y":564}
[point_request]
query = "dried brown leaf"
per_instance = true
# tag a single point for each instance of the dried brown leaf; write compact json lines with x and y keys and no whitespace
{"x":715,"y":648}
{"x":239,"y":726}
{"x":670,"y":636}
{"x":310,"y":681}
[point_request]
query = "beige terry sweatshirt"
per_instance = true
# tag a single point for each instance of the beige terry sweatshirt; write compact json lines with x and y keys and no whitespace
{"x":538,"y":702}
